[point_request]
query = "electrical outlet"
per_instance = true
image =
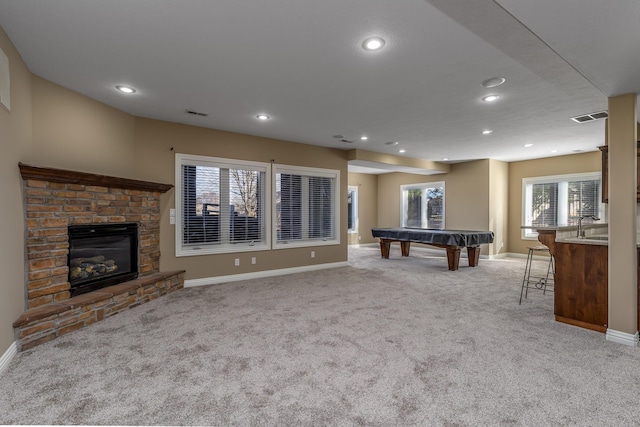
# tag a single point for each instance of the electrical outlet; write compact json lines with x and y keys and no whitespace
{"x":253,"y":260}
{"x":313,"y":254}
{"x":237,"y":262}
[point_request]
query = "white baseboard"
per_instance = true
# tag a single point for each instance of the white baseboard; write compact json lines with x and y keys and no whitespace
{"x":499,"y":256}
{"x":622,"y":337}
{"x":365,"y":245}
{"x":524,"y":256}
{"x":5,"y":359}
{"x":261,"y":274}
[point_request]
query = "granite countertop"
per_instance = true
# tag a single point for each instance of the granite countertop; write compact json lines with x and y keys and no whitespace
{"x":595,"y":233}
{"x":585,"y":226}
{"x":601,"y":240}
{"x":596,"y":239}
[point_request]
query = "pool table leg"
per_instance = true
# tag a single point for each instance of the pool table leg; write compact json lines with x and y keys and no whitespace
{"x":473,"y":252}
{"x":404,"y":247}
{"x":453,"y":257}
{"x":385,"y":245}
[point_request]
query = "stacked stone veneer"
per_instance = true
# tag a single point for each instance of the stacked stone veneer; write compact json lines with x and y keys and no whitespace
{"x":54,"y":200}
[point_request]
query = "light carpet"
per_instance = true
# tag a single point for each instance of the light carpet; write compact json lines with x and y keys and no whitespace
{"x":402,"y":341}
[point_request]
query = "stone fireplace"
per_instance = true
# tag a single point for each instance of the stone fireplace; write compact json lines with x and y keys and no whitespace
{"x":60,"y":295}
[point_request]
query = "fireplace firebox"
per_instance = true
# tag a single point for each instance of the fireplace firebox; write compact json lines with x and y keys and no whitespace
{"x":101,"y":255}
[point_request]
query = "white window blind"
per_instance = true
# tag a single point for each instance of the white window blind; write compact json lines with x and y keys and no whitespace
{"x":220,"y":205}
{"x":422,"y":205}
{"x":306,"y":206}
{"x":553,"y":201}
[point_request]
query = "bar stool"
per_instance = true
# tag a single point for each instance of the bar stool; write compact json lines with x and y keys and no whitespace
{"x":541,"y":282}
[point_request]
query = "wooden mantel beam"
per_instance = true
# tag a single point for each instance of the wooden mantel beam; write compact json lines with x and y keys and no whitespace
{"x":83,"y":178}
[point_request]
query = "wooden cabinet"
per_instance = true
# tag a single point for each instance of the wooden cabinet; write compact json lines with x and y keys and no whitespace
{"x":605,"y":173}
{"x":581,"y":281}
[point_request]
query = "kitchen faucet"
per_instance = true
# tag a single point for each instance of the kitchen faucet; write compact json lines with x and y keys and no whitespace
{"x":580,"y":230}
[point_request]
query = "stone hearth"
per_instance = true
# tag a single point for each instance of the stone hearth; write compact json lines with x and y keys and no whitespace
{"x":47,"y":322}
{"x":55,"y":199}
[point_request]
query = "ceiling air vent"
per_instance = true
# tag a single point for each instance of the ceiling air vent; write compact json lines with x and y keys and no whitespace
{"x":196,"y":113}
{"x":590,"y":117}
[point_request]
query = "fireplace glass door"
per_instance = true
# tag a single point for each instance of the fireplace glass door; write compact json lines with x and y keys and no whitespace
{"x":101,"y":255}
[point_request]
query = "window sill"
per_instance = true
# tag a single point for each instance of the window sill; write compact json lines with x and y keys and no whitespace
{"x":305,"y":244}
{"x":218,"y":250}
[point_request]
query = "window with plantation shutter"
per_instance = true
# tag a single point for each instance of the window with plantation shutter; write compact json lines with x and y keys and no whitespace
{"x":553,"y":201}
{"x":306,"y":209}
{"x":220,"y":205}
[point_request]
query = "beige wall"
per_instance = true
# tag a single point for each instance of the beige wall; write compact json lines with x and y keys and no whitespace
{"x":155,"y":160}
{"x":576,"y":163}
{"x":623,"y":257}
{"x":467,"y":196}
{"x":72,"y":131}
{"x":54,"y":127}
{"x":498,"y":205}
{"x":15,"y":139}
{"x":367,"y":205}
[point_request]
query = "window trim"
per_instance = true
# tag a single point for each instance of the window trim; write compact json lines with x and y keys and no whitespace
{"x":308,"y":171}
{"x":354,"y":205}
{"x":422,"y":185}
{"x":227,"y":247}
{"x":530,"y":234}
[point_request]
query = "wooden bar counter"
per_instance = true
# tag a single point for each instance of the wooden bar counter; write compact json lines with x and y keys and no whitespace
{"x":581,"y":275}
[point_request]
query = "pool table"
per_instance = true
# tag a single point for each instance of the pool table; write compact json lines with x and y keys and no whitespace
{"x":451,"y":240}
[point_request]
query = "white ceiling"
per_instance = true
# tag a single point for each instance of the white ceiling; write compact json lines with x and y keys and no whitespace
{"x":301,"y":62}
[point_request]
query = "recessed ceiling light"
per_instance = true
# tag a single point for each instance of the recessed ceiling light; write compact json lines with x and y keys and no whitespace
{"x":373,"y":43}
{"x":126,"y":89}
{"x":445,"y":159}
{"x":491,"y":98}
{"x":554,"y":151}
{"x":528,"y":145}
{"x":493,"y":82}
{"x":487,"y":132}
{"x":402,"y":151}
{"x":364,"y":137}
{"x":263,"y":117}
{"x":391,"y":143}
